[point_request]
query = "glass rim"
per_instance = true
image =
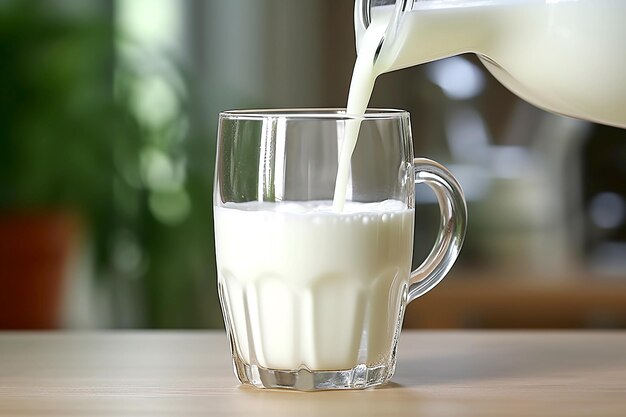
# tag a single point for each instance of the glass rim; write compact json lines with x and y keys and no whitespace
{"x":324,"y":113}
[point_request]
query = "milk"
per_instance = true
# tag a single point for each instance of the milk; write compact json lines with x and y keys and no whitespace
{"x":306,"y":286}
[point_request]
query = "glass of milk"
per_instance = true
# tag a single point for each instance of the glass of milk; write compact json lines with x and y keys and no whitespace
{"x":313,"y":293}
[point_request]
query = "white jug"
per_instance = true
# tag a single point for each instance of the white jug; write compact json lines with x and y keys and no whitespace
{"x":565,"y":56}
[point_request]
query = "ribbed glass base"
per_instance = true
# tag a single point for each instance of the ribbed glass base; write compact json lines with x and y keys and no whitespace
{"x":359,"y":377}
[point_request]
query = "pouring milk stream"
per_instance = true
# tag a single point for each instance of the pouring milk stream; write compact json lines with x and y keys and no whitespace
{"x":564,"y":56}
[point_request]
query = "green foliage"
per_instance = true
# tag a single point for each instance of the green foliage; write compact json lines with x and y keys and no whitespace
{"x":59,"y":122}
{"x":59,"y":118}
{"x":75,"y":136}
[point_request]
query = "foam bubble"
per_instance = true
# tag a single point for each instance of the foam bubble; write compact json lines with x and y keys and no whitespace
{"x":321,"y":207}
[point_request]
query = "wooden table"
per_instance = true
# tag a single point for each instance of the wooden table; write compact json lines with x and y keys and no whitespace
{"x":189,"y":373}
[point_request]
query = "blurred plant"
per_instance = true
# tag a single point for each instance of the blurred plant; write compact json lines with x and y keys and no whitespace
{"x":59,"y":119}
{"x":85,"y":130}
{"x":175,"y":239}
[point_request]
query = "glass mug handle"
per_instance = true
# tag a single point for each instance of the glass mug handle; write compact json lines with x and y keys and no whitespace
{"x":452,"y":228}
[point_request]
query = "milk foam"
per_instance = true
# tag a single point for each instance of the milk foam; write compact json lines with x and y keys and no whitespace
{"x":320,"y":207}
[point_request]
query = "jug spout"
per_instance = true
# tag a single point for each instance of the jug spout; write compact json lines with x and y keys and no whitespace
{"x":417,"y":32}
{"x":364,"y":10}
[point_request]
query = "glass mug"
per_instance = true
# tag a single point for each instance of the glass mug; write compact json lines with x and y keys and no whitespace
{"x":314,"y":298}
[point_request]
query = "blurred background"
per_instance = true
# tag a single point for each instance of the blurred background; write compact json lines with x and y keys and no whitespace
{"x":108,"y":113}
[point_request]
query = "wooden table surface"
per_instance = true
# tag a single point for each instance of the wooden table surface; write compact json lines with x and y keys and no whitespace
{"x":189,"y":373}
